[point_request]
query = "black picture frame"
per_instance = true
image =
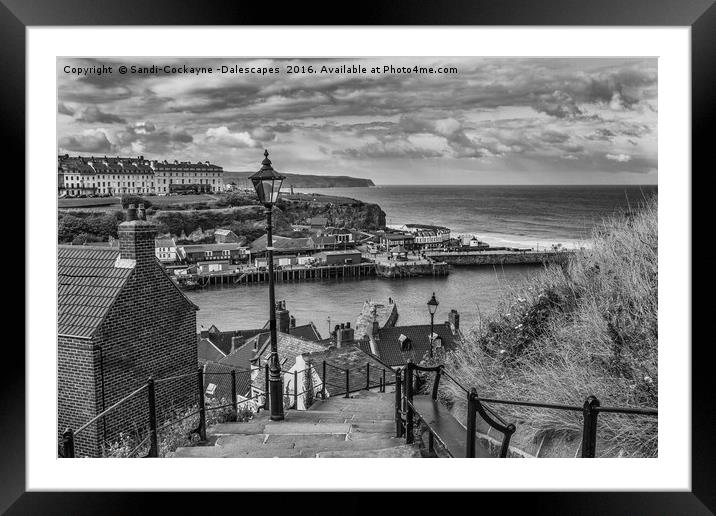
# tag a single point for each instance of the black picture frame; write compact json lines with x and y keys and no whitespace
{"x":700,"y":15}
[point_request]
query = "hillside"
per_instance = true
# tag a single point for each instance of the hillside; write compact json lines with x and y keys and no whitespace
{"x":586,"y":328}
{"x":304,"y":180}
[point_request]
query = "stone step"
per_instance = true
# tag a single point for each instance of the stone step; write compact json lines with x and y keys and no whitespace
{"x":286,"y":427}
{"x":359,"y":445}
{"x":403,"y":451}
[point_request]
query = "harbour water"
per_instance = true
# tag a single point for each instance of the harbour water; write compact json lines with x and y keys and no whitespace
{"x":535,"y":216}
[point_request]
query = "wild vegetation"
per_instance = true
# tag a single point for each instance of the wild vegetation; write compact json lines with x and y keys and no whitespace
{"x":588,"y":327}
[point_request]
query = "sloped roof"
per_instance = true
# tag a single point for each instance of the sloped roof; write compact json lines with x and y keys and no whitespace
{"x":352,"y":358}
{"x":306,"y":331}
{"x":222,"y":339}
{"x":389,"y":346}
{"x":207,"y":351}
{"x":281,"y":244}
{"x":87,"y":284}
{"x":289,"y":347}
{"x":219,"y":375}
{"x":398,"y":249}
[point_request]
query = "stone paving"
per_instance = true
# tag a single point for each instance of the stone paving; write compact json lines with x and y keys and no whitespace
{"x":360,"y":426}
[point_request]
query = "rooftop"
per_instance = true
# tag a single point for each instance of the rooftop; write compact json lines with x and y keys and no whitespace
{"x":389,"y":342}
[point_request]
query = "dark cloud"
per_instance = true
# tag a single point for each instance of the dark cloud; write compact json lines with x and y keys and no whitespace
{"x":152,"y":139}
{"x":63,"y":109}
{"x":93,"y":114}
{"x":89,"y":142}
{"x":558,"y":104}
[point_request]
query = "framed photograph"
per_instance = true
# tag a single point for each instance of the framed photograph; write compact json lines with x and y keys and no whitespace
{"x":427,"y":232}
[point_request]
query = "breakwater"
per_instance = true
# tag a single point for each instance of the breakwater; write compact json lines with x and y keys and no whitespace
{"x":499,"y":257}
{"x":409,"y":270}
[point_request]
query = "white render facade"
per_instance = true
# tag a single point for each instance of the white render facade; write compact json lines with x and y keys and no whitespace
{"x":82,"y":175}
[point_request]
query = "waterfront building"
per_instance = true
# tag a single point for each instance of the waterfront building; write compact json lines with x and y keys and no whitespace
{"x":166,"y":250}
{"x":282,"y":245}
{"x":399,"y":253}
{"x":339,"y":257}
{"x":317,"y":223}
{"x":228,"y":253}
{"x":90,"y":175}
{"x":390,"y":240}
{"x":322,"y":242}
{"x":121,"y":320}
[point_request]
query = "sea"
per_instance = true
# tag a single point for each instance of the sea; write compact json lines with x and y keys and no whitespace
{"x":524,"y":216}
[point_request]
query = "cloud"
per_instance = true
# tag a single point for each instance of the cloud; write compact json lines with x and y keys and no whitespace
{"x":89,"y":141}
{"x":558,"y":104}
{"x":93,"y":114}
{"x":621,"y":158}
{"x":222,"y":136}
{"x":63,"y":109}
{"x":145,"y":136}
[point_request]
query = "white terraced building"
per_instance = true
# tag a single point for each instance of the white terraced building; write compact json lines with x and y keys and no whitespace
{"x":82,"y":175}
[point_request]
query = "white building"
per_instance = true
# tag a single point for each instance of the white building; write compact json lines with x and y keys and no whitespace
{"x":426,"y":236}
{"x":82,"y":175}
{"x":165,"y":250}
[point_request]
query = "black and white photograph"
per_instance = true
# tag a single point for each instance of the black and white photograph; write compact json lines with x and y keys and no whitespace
{"x":409,"y":257}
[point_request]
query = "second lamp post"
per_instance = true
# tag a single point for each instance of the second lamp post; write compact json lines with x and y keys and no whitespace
{"x":267,"y":183}
{"x":432,"y":308}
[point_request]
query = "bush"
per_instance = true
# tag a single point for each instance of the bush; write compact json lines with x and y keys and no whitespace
{"x":128,"y":199}
{"x":587,"y":327}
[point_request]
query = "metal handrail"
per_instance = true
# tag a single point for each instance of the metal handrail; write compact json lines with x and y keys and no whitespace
{"x":109,"y":409}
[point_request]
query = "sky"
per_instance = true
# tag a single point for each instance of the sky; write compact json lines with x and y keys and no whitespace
{"x":493,"y":121}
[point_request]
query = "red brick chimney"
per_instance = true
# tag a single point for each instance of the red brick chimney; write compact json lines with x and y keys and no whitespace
{"x":136,"y":238}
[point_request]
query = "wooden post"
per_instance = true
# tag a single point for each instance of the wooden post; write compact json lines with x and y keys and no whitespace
{"x":234,"y":401}
{"x":202,"y":406}
{"x":295,"y":390}
{"x":367,"y":375}
{"x":151,"y":399}
{"x":323,"y":384}
{"x":68,"y":444}
{"x":409,"y":437}
{"x":348,"y":384}
{"x":471,"y":423}
{"x":398,"y":402}
{"x":589,"y":433}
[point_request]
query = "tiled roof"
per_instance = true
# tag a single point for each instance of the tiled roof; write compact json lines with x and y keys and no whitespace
{"x":200,"y":248}
{"x":306,"y":331}
{"x":289,"y":347}
{"x":207,"y":351}
{"x":164,"y":242}
{"x":352,"y":358}
{"x":330,"y":239}
{"x":217,"y":381}
{"x":389,"y":347}
{"x":222,"y":339}
{"x":87,"y":283}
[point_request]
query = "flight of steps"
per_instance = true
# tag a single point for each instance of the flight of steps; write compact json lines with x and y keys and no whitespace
{"x":360,"y":426}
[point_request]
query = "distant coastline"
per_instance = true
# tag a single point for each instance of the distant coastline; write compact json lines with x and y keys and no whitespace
{"x":304,"y":180}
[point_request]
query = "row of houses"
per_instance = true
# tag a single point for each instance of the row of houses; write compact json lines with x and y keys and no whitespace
{"x":102,"y":175}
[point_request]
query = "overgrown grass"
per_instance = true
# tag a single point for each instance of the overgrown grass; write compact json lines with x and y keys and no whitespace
{"x":179,"y":432}
{"x":586,"y":327}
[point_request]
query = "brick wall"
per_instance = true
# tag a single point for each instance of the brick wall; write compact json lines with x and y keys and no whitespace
{"x":77,"y":388}
{"x":149,"y":331}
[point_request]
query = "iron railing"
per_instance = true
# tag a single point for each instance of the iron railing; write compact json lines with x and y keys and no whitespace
{"x":405,"y":412}
{"x":68,"y":440}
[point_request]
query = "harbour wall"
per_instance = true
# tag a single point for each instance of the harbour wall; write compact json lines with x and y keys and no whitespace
{"x":500,"y":257}
{"x":407,"y":270}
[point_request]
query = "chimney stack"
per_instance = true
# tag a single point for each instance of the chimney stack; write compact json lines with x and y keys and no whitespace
{"x":344,"y":334}
{"x":282,"y":317}
{"x":234,"y":344}
{"x":292,"y":321}
{"x":376,"y":329}
{"x":454,"y":320}
{"x":136,"y":240}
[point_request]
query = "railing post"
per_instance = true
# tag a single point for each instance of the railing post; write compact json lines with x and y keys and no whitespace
{"x":383,"y":381}
{"x":68,"y":444}
{"x":471,"y":423}
{"x":151,"y":399}
{"x":589,"y":434}
{"x":437,"y":382}
{"x":202,"y":405}
{"x":348,"y":383}
{"x":367,"y":376}
{"x":234,"y":401}
{"x":266,"y":386}
{"x":409,"y":437}
{"x":398,"y":402}
{"x":295,"y":390}
{"x":323,"y":384}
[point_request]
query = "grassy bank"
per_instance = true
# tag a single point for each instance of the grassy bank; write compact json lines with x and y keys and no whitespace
{"x":588,"y":327}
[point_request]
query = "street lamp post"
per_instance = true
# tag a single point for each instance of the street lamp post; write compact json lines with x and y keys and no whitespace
{"x":267,"y":183}
{"x":432,"y":308}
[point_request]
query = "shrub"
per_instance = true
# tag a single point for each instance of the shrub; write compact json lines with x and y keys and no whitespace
{"x":128,"y":199}
{"x":586,"y":327}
